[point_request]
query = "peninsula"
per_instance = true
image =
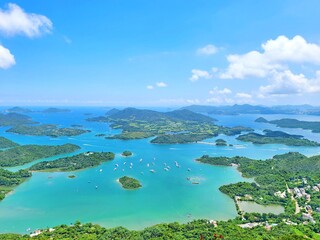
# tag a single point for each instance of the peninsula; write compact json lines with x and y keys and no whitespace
{"x":73,"y":163}
{"x":6,"y":143}
{"x":27,"y":153}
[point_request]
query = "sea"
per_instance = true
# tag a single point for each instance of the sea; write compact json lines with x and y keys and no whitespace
{"x":181,"y":194}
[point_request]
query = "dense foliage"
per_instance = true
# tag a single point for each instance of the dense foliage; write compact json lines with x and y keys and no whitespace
{"x":8,"y":180}
{"x":129,"y":183}
{"x":51,"y":130}
{"x":277,"y":137}
{"x":6,"y":143}
{"x":77,"y":162}
{"x":28,"y":153}
{"x":195,"y":230}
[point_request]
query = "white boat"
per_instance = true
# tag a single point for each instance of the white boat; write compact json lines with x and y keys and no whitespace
{"x":153,"y":171}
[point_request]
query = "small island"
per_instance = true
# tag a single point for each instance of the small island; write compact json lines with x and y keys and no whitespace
{"x":100,"y":135}
{"x":129,"y":183}
{"x":126,"y":154}
{"x":73,"y":163}
{"x":18,"y":110}
{"x":72,"y":176}
{"x":27,"y":153}
{"x":221,"y":142}
{"x":293,"y":123}
{"x":6,"y":143}
{"x":277,"y":137}
{"x":55,"y":110}
{"x":50,"y":130}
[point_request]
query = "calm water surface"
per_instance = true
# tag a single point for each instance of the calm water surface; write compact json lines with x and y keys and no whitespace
{"x":50,"y":199}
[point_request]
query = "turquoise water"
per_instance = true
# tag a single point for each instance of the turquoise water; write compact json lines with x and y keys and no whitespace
{"x":50,"y":199}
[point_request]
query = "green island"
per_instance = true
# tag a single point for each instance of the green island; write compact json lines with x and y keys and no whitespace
{"x":277,"y":137}
{"x":9,"y":180}
{"x":176,"y":127}
{"x":50,"y":130}
{"x":126,"y":153}
{"x":6,"y":143}
{"x":221,"y":142}
{"x":72,"y":176}
{"x":55,"y":110}
{"x":293,"y":123}
{"x":18,"y":110}
{"x":27,"y":153}
{"x":13,"y":119}
{"x":73,"y":163}
{"x":129,"y":183}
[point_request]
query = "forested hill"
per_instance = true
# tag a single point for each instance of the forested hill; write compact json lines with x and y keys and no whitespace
{"x":153,"y":116}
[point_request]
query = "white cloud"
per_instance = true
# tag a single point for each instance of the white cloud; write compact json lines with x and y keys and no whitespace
{"x":207,"y":50}
{"x":6,"y":58}
{"x":15,"y":20}
{"x":288,"y":83}
{"x":197,"y":74}
{"x":161,"y":84}
{"x":150,"y":87}
{"x":193,"y":101}
{"x":274,"y":56}
{"x":243,"y":95}
{"x":222,"y":92}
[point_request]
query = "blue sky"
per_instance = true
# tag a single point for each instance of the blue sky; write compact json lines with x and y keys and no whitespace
{"x":159,"y":53}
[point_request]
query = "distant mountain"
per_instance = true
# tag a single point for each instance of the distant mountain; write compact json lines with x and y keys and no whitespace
{"x":112,"y":111}
{"x":188,"y":115}
{"x":251,"y":109}
{"x":18,"y":110}
{"x":151,"y":115}
{"x":55,"y":110}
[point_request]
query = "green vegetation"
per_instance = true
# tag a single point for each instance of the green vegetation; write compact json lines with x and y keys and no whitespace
{"x":72,"y":176}
{"x":73,"y":163}
{"x":13,"y":119}
{"x":221,"y":142}
{"x":294,"y":123}
{"x":271,"y":176}
{"x":197,"y":229}
{"x":6,"y":143}
{"x":126,"y":153}
{"x":277,"y":137}
{"x":27,"y":153}
{"x":180,"y":126}
{"x":51,"y":130}
{"x":181,"y":138}
{"x":129,"y":183}
{"x":9,"y":180}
